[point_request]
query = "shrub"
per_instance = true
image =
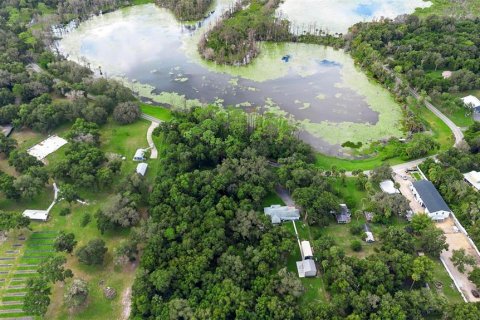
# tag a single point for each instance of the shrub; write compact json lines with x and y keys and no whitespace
{"x":356,"y":229}
{"x":356,"y":245}
{"x":65,"y":212}
{"x":85,"y":220}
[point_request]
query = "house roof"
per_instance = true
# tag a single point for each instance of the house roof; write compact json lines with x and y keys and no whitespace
{"x":432,"y":200}
{"x":306,"y":249}
{"x":471,"y":101}
{"x":6,"y":130}
{"x":388,"y":186}
{"x":282,"y":212}
{"x":36,"y":214}
{"x":473,"y":178}
{"x":142,"y":168}
{"x":139,"y":153}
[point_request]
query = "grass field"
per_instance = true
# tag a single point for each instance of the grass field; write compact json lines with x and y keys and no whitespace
{"x":156,"y":111}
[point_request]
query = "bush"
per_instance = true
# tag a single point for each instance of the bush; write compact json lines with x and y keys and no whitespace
{"x":85,"y":220}
{"x":65,"y":212}
{"x":92,"y":253}
{"x":356,"y":229}
{"x":356,"y":245}
{"x":126,"y":112}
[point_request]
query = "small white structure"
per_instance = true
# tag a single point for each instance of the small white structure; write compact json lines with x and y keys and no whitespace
{"x":306,"y":268}
{"x":142,"y":168}
{"x":280,"y":213}
{"x":388,"y":186}
{"x":46,"y":147}
{"x":446,"y":74}
{"x":307,"y":252}
{"x":37,"y":215}
{"x":369,"y":237}
{"x":427,"y":195}
{"x":139,"y":155}
{"x":471,"y":101}
{"x":473,"y":178}
{"x":344,"y":215}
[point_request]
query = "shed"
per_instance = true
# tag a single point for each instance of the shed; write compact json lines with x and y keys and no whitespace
{"x":306,"y":268}
{"x":369,"y":237}
{"x":139,"y":155}
{"x":307,"y":252}
{"x":388,"y":186}
{"x":6,"y":130}
{"x":280,"y":213}
{"x":344,"y":215}
{"x":37,"y":215}
{"x":142,"y":168}
{"x":446,"y":74}
{"x":473,"y":178}
{"x":427,"y":195}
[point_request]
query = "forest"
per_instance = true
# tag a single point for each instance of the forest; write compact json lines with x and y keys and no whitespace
{"x":187,"y":10}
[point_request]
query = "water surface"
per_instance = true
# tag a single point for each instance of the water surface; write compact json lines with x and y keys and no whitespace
{"x":156,"y":56}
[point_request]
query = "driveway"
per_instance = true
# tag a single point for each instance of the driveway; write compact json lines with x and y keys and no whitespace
{"x":457,"y":240}
{"x":406,"y":192}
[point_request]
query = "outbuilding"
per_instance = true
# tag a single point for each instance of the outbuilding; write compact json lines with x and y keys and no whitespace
{"x":388,"y":186}
{"x":307,"y":252}
{"x":369,"y":237}
{"x":471,"y":102}
{"x":142,"y":168}
{"x":427,"y":195}
{"x":36,"y":215}
{"x":280,"y":213}
{"x":306,"y":268}
{"x":139,"y":155}
{"x":344,"y":215}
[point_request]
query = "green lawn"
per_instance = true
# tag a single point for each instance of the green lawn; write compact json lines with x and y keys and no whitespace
{"x":448,"y":289}
{"x":156,"y":111}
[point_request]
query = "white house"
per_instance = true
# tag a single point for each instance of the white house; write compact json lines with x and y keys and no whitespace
{"x":471,"y":101}
{"x":307,"y":252}
{"x":473,"y":178}
{"x":280,"y":213}
{"x":142,"y":168}
{"x":139,"y":155}
{"x":388,"y":186}
{"x":427,"y":195}
{"x":37,"y":215}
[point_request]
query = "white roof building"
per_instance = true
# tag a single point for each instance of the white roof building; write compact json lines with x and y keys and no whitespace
{"x":139,"y":155}
{"x":369,"y":237}
{"x":471,"y":101}
{"x":388,"y":186}
{"x":473,"y":178}
{"x":38,"y":215}
{"x":307,"y":252}
{"x":142,"y":168}
{"x":46,"y":147}
{"x":280,"y":213}
{"x":306,"y":268}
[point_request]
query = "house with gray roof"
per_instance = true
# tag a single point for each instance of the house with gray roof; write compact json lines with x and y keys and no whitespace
{"x":428,"y":196}
{"x":280,"y":213}
{"x":344,"y":215}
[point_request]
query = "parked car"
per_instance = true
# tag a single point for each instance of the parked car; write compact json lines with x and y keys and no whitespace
{"x":475,"y":293}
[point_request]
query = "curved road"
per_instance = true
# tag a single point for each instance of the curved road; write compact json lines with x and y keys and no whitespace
{"x":155,"y":124}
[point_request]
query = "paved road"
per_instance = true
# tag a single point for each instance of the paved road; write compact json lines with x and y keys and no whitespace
{"x":153,"y":148}
{"x":457,"y":132}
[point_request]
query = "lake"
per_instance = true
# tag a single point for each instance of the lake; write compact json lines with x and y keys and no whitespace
{"x":319,"y":87}
{"x":336,"y":16}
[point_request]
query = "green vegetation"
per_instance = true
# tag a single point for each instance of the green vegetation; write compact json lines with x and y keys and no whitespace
{"x":158,"y":112}
{"x":186,"y":10}
{"x":465,"y":8}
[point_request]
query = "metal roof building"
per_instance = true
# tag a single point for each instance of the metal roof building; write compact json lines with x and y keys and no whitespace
{"x":280,"y":213}
{"x":306,"y":268}
{"x":427,"y":195}
{"x":139,"y":155}
{"x":344,"y":216}
{"x":307,"y":252}
{"x":471,"y":101}
{"x":38,"y":215}
{"x":142,"y":168}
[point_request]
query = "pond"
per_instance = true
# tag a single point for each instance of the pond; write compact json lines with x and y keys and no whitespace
{"x":320,"y":88}
{"x":336,"y":16}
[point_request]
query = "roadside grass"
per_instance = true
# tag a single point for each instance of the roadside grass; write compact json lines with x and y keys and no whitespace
{"x":416,"y":176}
{"x":158,"y":112}
{"x":448,"y":290}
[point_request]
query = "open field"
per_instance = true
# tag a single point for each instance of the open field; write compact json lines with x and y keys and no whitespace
{"x":156,"y":111}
